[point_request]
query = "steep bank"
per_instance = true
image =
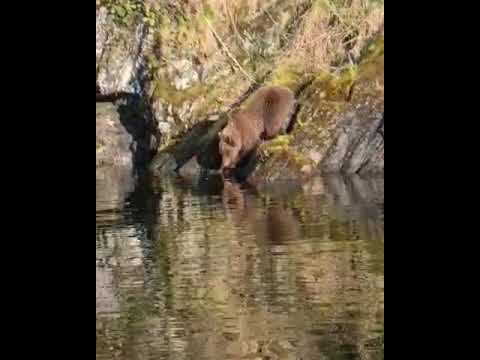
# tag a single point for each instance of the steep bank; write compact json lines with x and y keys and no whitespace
{"x":339,"y":128}
{"x":194,"y":61}
{"x":340,"y":125}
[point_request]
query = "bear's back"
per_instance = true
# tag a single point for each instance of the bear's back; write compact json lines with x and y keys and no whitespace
{"x":275,"y":105}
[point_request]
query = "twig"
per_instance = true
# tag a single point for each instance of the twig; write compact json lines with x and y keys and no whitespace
{"x":225,"y":48}
{"x":276,"y":23}
{"x":270,"y":16}
{"x":234,"y":25}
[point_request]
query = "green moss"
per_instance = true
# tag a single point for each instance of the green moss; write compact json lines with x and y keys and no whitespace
{"x":279,"y":144}
{"x":282,"y":151}
{"x":330,"y":87}
{"x":164,"y":28}
{"x":374,"y":49}
{"x":180,"y":29}
{"x":336,"y":89}
{"x":287,"y":75}
{"x":166,"y":91}
{"x":124,"y":12}
{"x":372,"y":63}
{"x":301,"y":160}
{"x":282,"y":161}
{"x":150,"y":17}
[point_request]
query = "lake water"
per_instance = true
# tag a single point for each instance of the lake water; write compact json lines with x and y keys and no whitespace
{"x":218,"y":271}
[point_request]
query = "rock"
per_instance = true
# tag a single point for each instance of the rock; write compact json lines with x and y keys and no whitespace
{"x":191,"y":170}
{"x":200,"y":142}
{"x":163,"y":164}
{"x":315,"y":156}
{"x":123,"y":137}
{"x":119,"y":54}
{"x":359,"y":146}
{"x":113,"y":142}
{"x":183,"y":74}
{"x":101,"y":32}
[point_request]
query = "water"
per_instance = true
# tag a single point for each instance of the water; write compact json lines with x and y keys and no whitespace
{"x":205,"y":272}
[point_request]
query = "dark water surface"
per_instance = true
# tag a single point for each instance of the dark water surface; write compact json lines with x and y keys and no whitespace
{"x":209,"y":271}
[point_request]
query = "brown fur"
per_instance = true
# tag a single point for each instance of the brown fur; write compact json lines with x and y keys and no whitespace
{"x":241,"y":135}
{"x":275,"y":105}
{"x":267,"y":114}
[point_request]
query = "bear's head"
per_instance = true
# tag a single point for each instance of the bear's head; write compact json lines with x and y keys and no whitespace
{"x":229,"y":146}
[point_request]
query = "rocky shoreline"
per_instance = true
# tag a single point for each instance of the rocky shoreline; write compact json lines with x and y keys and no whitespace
{"x":160,"y":104}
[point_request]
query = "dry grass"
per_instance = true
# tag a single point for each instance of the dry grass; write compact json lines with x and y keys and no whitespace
{"x":327,"y":38}
{"x":250,"y":39}
{"x":333,"y":33}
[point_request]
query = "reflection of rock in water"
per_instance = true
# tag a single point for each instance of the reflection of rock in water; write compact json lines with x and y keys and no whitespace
{"x":106,"y":302}
{"x":113,"y":184}
{"x":360,"y":202}
{"x":237,"y":272}
{"x":120,"y":264}
{"x":354,"y":190}
{"x":321,"y":273}
{"x":120,"y":285}
{"x":210,"y":184}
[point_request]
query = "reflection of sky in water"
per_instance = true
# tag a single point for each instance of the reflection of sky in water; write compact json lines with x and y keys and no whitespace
{"x":201,"y":272}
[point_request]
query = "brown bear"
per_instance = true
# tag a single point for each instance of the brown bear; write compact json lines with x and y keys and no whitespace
{"x":266,"y":115}
{"x":239,"y":137}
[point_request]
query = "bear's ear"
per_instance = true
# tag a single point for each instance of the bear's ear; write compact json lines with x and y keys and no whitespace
{"x":228,"y":140}
{"x":227,"y":135}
